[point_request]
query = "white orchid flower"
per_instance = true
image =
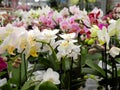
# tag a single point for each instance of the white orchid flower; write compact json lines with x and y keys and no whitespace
{"x":114,"y":29}
{"x":69,"y":49}
{"x":51,"y":76}
{"x":6,"y":31}
{"x":10,"y":42}
{"x":48,"y":35}
{"x":103,"y":36}
{"x":100,"y":64}
{"x":38,"y":75}
{"x":45,"y":10}
{"x":47,"y":48}
{"x":33,"y":50}
{"x":68,"y":36}
{"x":74,"y":9}
{"x":27,"y":19}
{"x":22,"y":41}
{"x":32,"y":47}
{"x":64,"y":12}
{"x":30,"y":66}
{"x":114,"y":51}
{"x":19,"y":13}
{"x":112,"y":21}
{"x":118,"y":23}
{"x":3,"y":82}
{"x":3,"y":12}
{"x":2,"y":33}
{"x":34,"y":13}
{"x":118,"y":28}
{"x":57,"y":17}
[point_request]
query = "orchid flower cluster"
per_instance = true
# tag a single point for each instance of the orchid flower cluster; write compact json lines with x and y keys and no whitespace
{"x":17,"y":40}
{"x":32,"y":42}
{"x":54,"y":35}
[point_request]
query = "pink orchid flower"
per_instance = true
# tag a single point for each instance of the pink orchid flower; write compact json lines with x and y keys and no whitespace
{"x":64,"y":25}
{"x":74,"y":28}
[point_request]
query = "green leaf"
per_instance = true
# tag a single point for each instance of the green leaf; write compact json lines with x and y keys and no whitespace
{"x":15,"y":75}
{"x":91,"y":71}
{"x":46,"y":86}
{"x":118,"y":72}
{"x":28,"y":84}
{"x":95,"y":56}
{"x":6,"y":87}
{"x":65,"y":81}
{"x":117,"y":59}
{"x":2,"y":73}
{"x":20,"y":74}
{"x":53,"y":62}
{"x":94,"y":66}
{"x":66,"y":64}
{"x":83,"y":55}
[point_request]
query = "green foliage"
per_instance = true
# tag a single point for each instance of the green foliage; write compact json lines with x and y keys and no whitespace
{"x":2,"y":73}
{"x":46,"y":86}
{"x":6,"y":87}
{"x":94,"y":66}
{"x":88,"y":70}
{"x":29,"y":85}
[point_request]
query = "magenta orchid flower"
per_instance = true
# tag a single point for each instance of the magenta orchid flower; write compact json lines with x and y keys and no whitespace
{"x":95,"y":16}
{"x":101,"y":25}
{"x":3,"y":64}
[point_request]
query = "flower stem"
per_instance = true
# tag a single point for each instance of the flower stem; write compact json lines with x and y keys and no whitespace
{"x":25,"y":65}
{"x":104,"y":55}
{"x":71,"y":67}
{"x":32,"y":69}
{"x":60,"y":74}
{"x":19,"y":77}
{"x":79,"y":57}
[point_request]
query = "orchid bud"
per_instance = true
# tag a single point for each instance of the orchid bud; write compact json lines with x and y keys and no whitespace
{"x":92,"y":76}
{"x":86,"y":40}
{"x":91,"y":41}
{"x":15,"y":65}
{"x":92,"y":50}
{"x":86,"y":77}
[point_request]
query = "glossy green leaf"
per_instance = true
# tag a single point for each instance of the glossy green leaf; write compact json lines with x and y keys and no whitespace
{"x":46,"y":86}
{"x":28,"y":85}
{"x":94,"y":66}
{"x":91,"y":71}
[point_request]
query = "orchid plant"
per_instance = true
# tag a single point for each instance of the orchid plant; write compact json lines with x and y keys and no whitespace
{"x":48,"y":49}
